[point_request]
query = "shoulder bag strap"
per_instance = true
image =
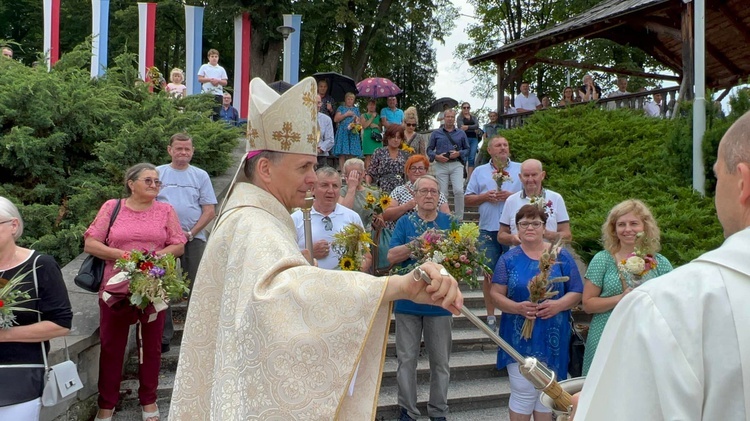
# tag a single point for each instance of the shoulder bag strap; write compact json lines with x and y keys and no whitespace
{"x":39,"y":317}
{"x":112,"y":218}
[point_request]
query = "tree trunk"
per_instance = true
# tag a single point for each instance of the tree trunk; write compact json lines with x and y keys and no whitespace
{"x":265,"y":56}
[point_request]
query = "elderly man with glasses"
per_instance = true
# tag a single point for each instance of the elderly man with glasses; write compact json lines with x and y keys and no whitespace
{"x":412,"y":319}
{"x":328,"y":217}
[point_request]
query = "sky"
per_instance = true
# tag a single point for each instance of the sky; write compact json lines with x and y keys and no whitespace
{"x":452,"y":78}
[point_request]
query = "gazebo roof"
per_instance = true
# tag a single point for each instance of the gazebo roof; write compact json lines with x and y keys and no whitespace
{"x":654,"y":26}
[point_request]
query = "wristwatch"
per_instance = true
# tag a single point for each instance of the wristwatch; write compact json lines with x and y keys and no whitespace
{"x":190,"y":236}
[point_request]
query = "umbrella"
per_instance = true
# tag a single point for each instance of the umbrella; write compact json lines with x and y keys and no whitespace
{"x":377,"y":87}
{"x":338,"y":84}
{"x":438,"y":104}
{"x":280,"y":86}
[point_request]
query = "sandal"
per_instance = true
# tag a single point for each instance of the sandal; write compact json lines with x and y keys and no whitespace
{"x":96,"y":418}
{"x":146,"y":416}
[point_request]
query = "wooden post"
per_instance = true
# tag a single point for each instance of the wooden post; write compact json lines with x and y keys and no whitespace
{"x":688,"y":76}
{"x":500,"y":88}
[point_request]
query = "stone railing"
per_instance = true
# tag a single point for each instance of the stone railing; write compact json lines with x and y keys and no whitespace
{"x":634,"y":100}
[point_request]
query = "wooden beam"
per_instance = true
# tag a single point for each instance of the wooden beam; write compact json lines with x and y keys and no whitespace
{"x":500,"y":87}
{"x":731,"y":17}
{"x":688,"y":62}
{"x":723,"y":94}
{"x":575,"y":64}
{"x":716,"y":53}
{"x":662,"y":29}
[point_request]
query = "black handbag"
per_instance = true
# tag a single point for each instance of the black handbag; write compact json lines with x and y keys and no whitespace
{"x":376,"y":137}
{"x":91,"y":272}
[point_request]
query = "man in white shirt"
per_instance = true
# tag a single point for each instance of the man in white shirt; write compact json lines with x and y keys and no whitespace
{"x":678,"y":347}
{"x":622,"y":88}
{"x":558,"y":223}
{"x":653,"y":108}
{"x":526,"y":101}
{"x":328,"y":217}
{"x":489,"y":194}
{"x":326,"y":141}
{"x":509,"y":109}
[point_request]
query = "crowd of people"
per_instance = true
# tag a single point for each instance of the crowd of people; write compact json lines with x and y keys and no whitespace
{"x":265,"y":292}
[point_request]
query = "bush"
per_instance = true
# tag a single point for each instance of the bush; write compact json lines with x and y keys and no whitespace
{"x":598,"y":158}
{"x":65,"y":141}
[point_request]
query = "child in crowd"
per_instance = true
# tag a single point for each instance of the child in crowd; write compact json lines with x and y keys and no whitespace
{"x":176,"y":87}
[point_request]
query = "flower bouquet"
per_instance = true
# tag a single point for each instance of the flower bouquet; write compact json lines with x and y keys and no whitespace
{"x":11,"y":297}
{"x":406,"y":148}
{"x":351,"y":244}
{"x":637,"y":264}
{"x":355,"y":128}
{"x":152,"y":279}
{"x":377,"y":204}
{"x":540,"y":286}
{"x":545,"y":206}
{"x":500,"y":175}
{"x":454,"y":248}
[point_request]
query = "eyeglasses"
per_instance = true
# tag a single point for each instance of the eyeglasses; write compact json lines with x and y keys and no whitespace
{"x":425,"y":192}
{"x":417,"y":169}
{"x":327,"y":223}
{"x":526,"y":225}
{"x":411,"y":125}
{"x":151,"y":181}
{"x":466,"y":108}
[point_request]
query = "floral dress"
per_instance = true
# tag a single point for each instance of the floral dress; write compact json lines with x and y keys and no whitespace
{"x":602,"y":272}
{"x":347,"y":142}
{"x":387,"y":173}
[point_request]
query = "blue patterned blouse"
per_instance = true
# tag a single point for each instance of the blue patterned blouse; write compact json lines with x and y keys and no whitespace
{"x":550,"y":338}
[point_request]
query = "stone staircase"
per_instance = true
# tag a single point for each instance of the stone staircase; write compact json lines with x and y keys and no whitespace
{"x":477,"y":391}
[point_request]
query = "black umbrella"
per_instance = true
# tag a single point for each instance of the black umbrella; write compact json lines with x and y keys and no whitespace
{"x":280,"y":86}
{"x":338,"y":84}
{"x":439,"y":104}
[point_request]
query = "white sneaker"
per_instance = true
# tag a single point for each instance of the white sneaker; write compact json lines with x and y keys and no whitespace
{"x":492,"y":324}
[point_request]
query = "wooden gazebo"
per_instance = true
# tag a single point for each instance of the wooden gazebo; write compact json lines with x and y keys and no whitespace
{"x":661,"y":28}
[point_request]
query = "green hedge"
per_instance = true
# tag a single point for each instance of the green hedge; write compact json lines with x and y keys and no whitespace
{"x":65,"y":141}
{"x":597,"y":158}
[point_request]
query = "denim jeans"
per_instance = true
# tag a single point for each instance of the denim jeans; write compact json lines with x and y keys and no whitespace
{"x":473,"y":145}
{"x":491,"y":248}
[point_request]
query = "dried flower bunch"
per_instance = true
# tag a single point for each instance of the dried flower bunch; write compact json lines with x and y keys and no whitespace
{"x":540,"y":286}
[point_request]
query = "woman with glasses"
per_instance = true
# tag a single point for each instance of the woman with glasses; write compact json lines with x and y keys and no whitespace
{"x":141,"y":223}
{"x":412,"y":139}
{"x":371,"y":136}
{"x":348,"y":142}
{"x":25,"y":335}
{"x":403,"y":196}
{"x":604,"y":281}
{"x":551,"y":334}
{"x":388,"y":161}
{"x":469,"y":124}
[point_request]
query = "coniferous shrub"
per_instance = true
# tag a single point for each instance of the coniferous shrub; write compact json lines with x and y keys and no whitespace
{"x":598,"y":158}
{"x":65,"y":141}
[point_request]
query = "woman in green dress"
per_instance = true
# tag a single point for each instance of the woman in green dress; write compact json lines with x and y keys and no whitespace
{"x":605,"y":283}
{"x":370,"y":124}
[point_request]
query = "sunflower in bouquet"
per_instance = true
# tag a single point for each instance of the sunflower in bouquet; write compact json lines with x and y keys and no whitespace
{"x":153,"y":279}
{"x":351,"y":244}
{"x":456,"y":249}
{"x":11,"y":298}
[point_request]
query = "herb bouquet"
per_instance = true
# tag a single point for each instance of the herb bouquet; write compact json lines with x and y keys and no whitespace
{"x":351,"y":244}
{"x":634,"y":268}
{"x":540,"y":286}
{"x":151,"y":279}
{"x":454,"y":248}
{"x":11,"y":297}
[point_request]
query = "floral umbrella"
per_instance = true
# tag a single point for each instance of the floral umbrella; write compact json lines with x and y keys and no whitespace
{"x":377,"y":87}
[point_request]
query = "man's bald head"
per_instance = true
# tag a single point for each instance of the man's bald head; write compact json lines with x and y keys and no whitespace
{"x":534,"y":164}
{"x":736,"y":144}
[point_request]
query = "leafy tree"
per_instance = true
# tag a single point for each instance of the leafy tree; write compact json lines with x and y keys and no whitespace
{"x":65,"y":141}
{"x":501,"y":22}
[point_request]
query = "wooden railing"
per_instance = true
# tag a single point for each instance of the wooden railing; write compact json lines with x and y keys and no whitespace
{"x":634,"y":100}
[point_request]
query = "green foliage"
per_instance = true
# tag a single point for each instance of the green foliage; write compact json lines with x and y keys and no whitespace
{"x":597,"y":158}
{"x":65,"y":141}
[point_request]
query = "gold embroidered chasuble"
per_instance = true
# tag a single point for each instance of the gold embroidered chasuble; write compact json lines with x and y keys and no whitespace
{"x":269,"y":337}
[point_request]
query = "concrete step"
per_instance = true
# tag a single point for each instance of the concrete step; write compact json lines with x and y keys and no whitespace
{"x":466,"y":365}
{"x":489,"y":394}
{"x":129,"y":387}
{"x":464,"y":339}
{"x":130,"y":410}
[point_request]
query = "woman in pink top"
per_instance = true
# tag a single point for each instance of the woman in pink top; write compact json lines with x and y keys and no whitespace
{"x":141,"y":223}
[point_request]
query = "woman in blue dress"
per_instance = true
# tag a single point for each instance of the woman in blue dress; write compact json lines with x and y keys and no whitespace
{"x":551,"y":334}
{"x":348,"y":143}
